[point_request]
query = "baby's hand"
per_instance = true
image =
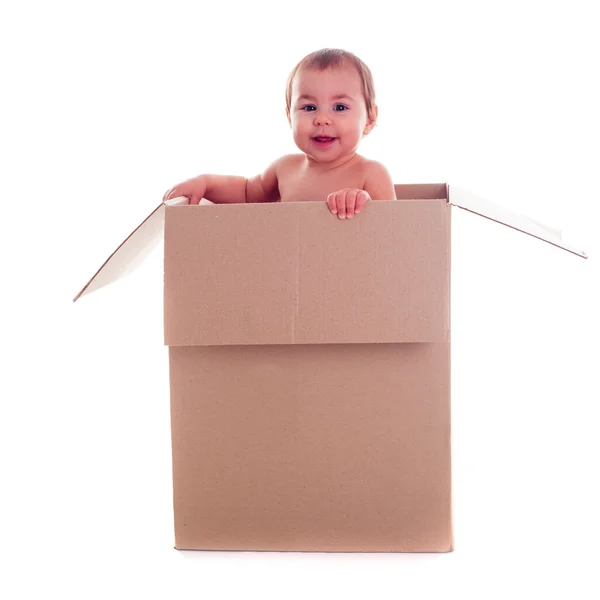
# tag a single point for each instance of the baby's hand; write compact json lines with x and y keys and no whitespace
{"x":194,"y":189}
{"x":345,"y":203}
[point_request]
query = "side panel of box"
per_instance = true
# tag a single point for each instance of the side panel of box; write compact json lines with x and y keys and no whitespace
{"x":312,"y":447}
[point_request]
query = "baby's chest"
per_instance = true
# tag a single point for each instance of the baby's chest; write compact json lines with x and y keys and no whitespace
{"x":307,"y":188}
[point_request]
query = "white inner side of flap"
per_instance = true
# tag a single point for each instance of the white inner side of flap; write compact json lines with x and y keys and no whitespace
{"x":485,"y":208}
{"x":130,"y":254}
{"x":134,"y":250}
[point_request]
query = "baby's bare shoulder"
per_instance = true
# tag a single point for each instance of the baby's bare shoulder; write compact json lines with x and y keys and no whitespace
{"x":374,"y":168}
{"x":291,"y":161}
{"x":378,"y":180}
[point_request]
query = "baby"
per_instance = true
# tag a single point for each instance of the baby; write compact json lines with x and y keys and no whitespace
{"x":330,"y":106}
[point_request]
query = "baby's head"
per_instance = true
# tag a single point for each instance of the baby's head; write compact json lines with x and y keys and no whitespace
{"x":330,"y":104}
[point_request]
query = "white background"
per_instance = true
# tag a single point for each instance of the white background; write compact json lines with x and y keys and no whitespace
{"x":105,"y":105}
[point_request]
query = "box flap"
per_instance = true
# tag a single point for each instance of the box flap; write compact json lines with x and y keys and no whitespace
{"x":131,"y":253}
{"x":383,"y":276}
{"x":468,"y":201}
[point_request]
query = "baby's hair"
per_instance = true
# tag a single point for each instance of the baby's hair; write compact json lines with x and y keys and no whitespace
{"x":333,"y":57}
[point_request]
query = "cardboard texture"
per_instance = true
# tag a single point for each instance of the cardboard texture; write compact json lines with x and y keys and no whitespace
{"x":310,"y":369}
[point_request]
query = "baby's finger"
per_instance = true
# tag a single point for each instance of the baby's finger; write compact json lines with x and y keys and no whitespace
{"x":351,"y":203}
{"x":361,"y":199}
{"x":331,"y":203}
{"x":167,"y":194}
{"x":340,"y":200}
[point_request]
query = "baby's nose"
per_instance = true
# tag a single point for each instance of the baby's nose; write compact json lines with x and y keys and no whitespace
{"x":322,"y":119}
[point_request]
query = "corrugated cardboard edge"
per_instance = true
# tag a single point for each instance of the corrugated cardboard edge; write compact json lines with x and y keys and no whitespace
{"x":132,"y":251}
{"x":472,"y":203}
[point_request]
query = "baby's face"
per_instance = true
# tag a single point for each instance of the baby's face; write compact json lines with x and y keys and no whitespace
{"x":328,"y":114}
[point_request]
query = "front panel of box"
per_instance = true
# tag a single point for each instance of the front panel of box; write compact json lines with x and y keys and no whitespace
{"x":291,"y":273}
{"x":312,"y":447}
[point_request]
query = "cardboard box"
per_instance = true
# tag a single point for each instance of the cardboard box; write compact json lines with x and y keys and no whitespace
{"x":310,"y":369}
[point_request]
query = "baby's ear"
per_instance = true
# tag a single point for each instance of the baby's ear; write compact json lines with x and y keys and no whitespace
{"x":371,"y":120}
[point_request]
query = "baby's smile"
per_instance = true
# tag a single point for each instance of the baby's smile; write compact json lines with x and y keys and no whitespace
{"x":322,"y":140}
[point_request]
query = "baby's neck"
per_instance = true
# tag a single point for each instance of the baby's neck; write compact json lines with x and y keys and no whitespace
{"x":342,"y":162}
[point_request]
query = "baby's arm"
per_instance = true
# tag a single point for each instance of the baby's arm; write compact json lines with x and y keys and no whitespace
{"x":378,"y":182}
{"x":229,"y":189}
{"x":264,"y":187}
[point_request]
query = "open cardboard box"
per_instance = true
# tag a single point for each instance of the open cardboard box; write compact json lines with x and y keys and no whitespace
{"x":310,"y":369}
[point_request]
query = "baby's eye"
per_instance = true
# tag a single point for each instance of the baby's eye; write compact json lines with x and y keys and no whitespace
{"x":340,"y":107}
{"x":309,"y":107}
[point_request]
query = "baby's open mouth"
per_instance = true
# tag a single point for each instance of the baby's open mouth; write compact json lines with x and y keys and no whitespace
{"x":323,"y":139}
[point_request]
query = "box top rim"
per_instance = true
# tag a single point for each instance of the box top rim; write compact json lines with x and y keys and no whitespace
{"x":138,"y":244}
